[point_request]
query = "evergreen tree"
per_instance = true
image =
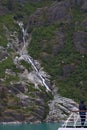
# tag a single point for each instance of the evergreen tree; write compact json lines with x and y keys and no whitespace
{"x":10,"y":5}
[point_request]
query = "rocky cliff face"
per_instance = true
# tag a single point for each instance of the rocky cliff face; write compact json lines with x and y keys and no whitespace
{"x":60,"y":108}
{"x":22,"y":94}
{"x":58,"y":11}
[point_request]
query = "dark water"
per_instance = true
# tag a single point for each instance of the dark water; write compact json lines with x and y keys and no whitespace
{"x":42,"y":126}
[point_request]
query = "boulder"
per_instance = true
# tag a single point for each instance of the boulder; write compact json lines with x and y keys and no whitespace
{"x":3,"y":54}
{"x":59,"y":11}
{"x":80,"y":42}
{"x":67,"y":70}
{"x":84,"y":24}
{"x":59,"y":43}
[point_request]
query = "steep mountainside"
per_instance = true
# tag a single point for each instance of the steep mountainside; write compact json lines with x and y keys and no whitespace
{"x":43,"y":58}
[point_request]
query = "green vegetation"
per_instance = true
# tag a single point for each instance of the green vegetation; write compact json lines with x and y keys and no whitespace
{"x":6,"y":64}
{"x":73,"y":86}
{"x":40,"y":35}
{"x":26,"y":65}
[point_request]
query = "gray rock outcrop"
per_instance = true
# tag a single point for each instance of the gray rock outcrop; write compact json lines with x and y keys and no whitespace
{"x":60,"y":108}
{"x":79,"y":39}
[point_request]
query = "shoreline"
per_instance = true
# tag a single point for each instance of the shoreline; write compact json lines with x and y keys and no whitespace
{"x":20,"y":123}
{"x":14,"y":123}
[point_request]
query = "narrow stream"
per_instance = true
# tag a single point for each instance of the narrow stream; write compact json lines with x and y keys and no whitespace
{"x":24,"y":56}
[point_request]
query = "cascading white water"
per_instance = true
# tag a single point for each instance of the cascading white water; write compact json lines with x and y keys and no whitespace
{"x":28,"y":58}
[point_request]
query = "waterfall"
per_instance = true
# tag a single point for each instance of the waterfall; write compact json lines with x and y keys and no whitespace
{"x":24,"y":56}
